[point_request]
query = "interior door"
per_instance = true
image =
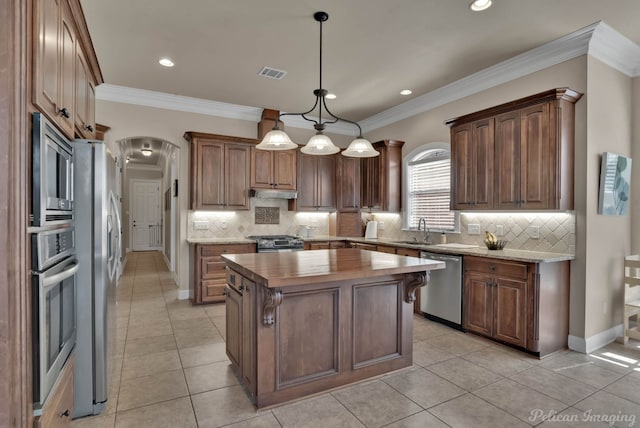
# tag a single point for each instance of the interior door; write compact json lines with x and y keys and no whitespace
{"x":146,"y":226}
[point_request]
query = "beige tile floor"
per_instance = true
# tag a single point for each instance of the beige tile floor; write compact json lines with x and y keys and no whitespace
{"x":171,"y":370}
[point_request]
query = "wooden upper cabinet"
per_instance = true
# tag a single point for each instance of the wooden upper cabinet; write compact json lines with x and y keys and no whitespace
{"x":219,"y":171}
{"x":54,"y":63}
{"x":65,"y":68}
{"x":316,"y":183}
{"x":529,"y":160}
{"x":538,"y":155}
{"x":472,"y":165}
{"x":85,"y":98}
{"x":348,"y":189}
{"x":273,"y":169}
{"x":381,"y":178}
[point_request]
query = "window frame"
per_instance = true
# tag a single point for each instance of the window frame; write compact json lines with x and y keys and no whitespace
{"x":405,"y":185}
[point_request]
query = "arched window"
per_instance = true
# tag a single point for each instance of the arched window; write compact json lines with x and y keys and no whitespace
{"x":428,"y":188}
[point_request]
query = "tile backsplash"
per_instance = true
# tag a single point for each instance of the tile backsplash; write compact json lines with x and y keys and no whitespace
{"x":228,"y":224}
{"x":555,"y":231}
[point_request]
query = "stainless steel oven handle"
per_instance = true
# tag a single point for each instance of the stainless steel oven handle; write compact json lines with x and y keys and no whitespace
{"x":59,"y":277}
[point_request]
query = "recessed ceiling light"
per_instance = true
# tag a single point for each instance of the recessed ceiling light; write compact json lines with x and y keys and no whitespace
{"x":330,"y":96}
{"x":406,"y":92}
{"x":166,"y":62}
{"x":479,"y":5}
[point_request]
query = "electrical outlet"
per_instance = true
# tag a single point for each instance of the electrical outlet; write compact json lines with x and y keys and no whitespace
{"x":534,"y":232}
{"x":223,"y":224}
{"x":200,"y":225}
{"x":381,"y":225}
{"x":499,"y":230}
{"x":473,"y":229}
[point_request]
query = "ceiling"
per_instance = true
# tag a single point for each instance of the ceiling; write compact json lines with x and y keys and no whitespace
{"x":132,"y":151}
{"x":372,"y":48}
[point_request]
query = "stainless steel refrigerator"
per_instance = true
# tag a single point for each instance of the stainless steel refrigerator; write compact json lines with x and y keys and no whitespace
{"x":97,"y":223}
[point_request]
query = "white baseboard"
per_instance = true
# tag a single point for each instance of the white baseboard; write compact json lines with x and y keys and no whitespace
{"x":166,"y":261}
{"x":595,"y":342}
{"x":183,"y":294}
{"x":127,"y":250}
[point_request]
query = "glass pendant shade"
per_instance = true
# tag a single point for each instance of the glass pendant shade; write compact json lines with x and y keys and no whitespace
{"x":146,"y":152}
{"x":320,"y":144}
{"x":360,"y":148}
{"x":276,"y":140}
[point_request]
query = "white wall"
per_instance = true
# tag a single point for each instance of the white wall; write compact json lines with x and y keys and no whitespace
{"x":607,"y":238}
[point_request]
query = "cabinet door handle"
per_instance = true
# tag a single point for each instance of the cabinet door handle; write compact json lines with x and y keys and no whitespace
{"x":241,"y":288}
{"x":64,"y":112}
{"x":492,"y":267}
{"x":89,"y":128}
{"x":64,"y":414}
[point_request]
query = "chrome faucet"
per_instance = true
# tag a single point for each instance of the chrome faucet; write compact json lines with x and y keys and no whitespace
{"x":427,"y":237}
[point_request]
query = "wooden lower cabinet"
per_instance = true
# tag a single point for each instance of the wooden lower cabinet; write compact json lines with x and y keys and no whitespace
{"x":522,"y":304}
{"x":209,"y":273}
{"x":58,"y":410}
{"x":241,"y":328}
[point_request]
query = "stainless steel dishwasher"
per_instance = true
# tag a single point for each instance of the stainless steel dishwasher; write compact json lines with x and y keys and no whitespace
{"x":441,"y":299}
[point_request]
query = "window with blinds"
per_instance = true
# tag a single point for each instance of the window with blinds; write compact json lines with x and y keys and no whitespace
{"x":428,"y":190}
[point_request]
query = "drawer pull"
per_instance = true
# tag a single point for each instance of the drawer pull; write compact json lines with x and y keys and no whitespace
{"x":241,"y":288}
{"x":232,"y":279}
{"x":492,"y":267}
{"x":65,"y":414}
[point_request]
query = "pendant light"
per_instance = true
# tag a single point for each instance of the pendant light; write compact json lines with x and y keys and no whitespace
{"x":319,"y":144}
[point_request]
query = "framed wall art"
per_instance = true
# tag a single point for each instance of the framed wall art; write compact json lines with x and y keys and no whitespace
{"x":615,"y":181}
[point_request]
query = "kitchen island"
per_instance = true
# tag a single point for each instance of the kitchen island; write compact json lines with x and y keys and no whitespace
{"x":303,"y":322}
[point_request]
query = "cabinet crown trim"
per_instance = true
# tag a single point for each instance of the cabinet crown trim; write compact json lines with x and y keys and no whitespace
{"x":565,"y":94}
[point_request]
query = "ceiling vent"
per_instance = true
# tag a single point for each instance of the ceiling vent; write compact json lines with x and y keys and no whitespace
{"x":272,"y":73}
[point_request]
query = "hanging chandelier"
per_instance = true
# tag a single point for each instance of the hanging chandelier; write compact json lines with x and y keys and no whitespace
{"x":319,"y":144}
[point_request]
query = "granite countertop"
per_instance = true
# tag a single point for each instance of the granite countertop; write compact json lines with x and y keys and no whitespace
{"x":482,"y":251}
{"x":323,"y":266}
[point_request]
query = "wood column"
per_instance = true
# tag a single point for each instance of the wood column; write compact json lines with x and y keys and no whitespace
{"x":267,"y":122}
{"x":15,"y":324}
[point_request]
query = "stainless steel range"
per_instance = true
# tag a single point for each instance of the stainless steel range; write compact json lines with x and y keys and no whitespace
{"x":277,"y":243}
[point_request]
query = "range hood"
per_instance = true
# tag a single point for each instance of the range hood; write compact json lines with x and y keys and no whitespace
{"x":273,"y":194}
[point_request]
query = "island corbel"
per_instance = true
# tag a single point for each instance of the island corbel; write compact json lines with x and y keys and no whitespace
{"x":272,"y":298}
{"x":417,"y":280}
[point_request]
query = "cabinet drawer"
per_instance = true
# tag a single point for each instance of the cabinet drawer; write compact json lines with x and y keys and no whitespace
{"x":496,"y":267}
{"x":408,"y":252}
{"x":337,"y":244}
{"x":218,"y":250}
{"x":386,"y":249}
{"x":212,"y":291}
{"x":58,"y":410}
{"x":211,"y":267}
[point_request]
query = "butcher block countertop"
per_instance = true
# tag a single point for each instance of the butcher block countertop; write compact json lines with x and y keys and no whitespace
{"x":318,"y":266}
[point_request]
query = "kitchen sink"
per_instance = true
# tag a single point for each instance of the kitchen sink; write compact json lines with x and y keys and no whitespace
{"x":411,"y":242}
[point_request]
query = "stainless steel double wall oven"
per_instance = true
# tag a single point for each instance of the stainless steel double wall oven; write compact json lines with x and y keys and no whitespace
{"x":53,"y":256}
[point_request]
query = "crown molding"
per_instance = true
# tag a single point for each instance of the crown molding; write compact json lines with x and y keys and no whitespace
{"x":547,"y":55}
{"x":615,"y":50}
{"x":143,"y":97}
{"x":598,"y":40}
